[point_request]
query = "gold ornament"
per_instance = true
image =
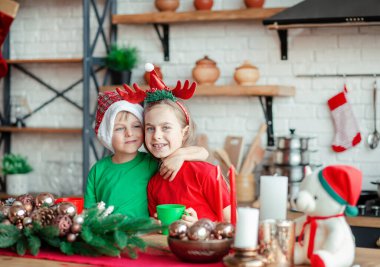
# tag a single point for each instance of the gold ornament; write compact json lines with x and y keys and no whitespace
{"x":27,"y":221}
{"x":78,"y":219}
{"x":44,"y":199}
{"x":178,"y":229}
{"x":76,"y":228}
{"x":28,"y":201}
{"x":224,"y":230}
{"x":197,"y":232}
{"x":71,"y":237}
{"x":206,"y":223}
{"x":67,"y":208}
{"x":4,"y":210}
{"x":16,"y":213}
{"x":17,"y":203}
{"x":19,"y":225}
{"x":64,"y":223}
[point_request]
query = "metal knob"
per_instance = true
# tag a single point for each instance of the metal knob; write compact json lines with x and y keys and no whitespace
{"x":361,"y":209}
{"x":376,"y":210}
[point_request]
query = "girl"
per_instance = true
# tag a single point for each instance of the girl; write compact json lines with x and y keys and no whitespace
{"x":120,"y":180}
{"x":168,"y":127}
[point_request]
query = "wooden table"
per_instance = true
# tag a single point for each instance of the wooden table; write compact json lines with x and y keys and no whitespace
{"x":364,"y":257}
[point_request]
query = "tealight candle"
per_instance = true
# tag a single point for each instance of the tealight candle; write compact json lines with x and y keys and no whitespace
{"x":273,"y":197}
{"x":247,"y":228}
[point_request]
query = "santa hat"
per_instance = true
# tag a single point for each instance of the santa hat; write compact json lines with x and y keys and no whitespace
{"x":109,"y":105}
{"x":343,"y":183}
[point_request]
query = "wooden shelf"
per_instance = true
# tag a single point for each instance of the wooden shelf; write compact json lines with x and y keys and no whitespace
{"x":231,"y":90}
{"x":196,"y":16}
{"x":45,"y":60}
{"x":41,"y":130}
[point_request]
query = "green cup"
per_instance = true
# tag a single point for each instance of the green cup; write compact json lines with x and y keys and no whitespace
{"x":168,"y":213}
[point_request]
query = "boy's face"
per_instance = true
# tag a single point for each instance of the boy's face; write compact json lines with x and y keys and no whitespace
{"x":128,"y":135}
{"x":163,"y":132}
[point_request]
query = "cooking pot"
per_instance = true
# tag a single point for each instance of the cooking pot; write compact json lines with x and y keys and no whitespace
{"x":292,"y":157}
{"x":378,"y":187}
{"x":294,"y":173}
{"x":293,"y":141}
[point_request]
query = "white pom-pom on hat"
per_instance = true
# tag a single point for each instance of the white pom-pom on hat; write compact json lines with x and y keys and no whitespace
{"x":149,"y":67}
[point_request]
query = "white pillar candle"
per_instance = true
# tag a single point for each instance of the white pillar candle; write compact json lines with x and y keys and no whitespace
{"x":247,"y":228}
{"x":273,"y":197}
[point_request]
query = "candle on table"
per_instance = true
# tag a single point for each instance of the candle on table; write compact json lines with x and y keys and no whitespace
{"x":219,"y":211}
{"x":273,"y":197}
{"x":247,"y":228}
{"x":232,"y":194}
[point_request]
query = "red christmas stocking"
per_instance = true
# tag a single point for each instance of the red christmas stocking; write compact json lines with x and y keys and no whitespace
{"x":8,"y":11}
{"x":346,"y":128}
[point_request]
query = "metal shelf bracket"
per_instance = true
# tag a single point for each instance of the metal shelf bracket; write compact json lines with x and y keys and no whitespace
{"x":268,"y":114}
{"x":164,"y":37}
{"x":283,"y":35}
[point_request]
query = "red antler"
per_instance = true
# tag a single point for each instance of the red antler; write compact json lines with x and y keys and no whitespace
{"x":185,"y":92}
{"x":131,"y":96}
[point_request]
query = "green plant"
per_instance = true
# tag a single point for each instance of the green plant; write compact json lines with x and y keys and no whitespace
{"x":122,"y":58}
{"x":14,"y":164}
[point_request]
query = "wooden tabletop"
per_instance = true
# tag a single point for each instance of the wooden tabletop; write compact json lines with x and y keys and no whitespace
{"x":364,"y":257}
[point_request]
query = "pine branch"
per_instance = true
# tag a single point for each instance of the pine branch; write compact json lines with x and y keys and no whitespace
{"x":9,"y":235}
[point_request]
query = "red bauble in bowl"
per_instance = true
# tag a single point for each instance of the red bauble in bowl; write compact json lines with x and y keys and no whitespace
{"x":254,"y":3}
{"x":203,"y":4}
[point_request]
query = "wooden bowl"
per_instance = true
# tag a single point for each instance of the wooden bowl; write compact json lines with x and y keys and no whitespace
{"x":200,"y":251}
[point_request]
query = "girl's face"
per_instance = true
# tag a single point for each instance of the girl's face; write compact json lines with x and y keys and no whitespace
{"x":163,"y":131}
{"x":128,"y":134}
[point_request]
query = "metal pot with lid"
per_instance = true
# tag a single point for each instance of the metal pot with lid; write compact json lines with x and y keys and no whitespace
{"x":293,"y":141}
{"x":378,"y":187}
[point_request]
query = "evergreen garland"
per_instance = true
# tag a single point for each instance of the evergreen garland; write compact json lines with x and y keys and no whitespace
{"x":101,"y":234}
{"x":158,"y":95}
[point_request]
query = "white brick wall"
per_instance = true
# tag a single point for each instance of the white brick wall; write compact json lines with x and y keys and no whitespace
{"x":46,"y":28}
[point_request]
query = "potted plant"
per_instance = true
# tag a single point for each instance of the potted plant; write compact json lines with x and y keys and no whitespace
{"x":15,"y":168}
{"x":120,"y":61}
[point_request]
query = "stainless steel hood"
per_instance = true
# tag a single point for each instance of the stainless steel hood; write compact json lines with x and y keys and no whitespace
{"x":327,"y":12}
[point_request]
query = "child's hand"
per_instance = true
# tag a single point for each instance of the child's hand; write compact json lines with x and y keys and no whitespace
{"x":170,"y":166}
{"x":190,"y":216}
{"x":157,"y":221}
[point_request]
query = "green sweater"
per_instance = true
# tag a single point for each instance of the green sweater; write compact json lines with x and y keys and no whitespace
{"x":121,"y":185}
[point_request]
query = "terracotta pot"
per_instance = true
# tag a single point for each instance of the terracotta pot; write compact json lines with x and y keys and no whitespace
{"x":166,"y":5}
{"x":246,"y":74}
{"x":205,"y":71}
{"x":203,"y":4}
{"x":254,"y":3}
{"x":157,"y":69}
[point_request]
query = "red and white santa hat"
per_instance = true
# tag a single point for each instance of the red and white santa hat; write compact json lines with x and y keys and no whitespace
{"x":343,"y":183}
{"x":109,"y":105}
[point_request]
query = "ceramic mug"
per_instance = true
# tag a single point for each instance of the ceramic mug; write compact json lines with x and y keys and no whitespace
{"x":169,"y":213}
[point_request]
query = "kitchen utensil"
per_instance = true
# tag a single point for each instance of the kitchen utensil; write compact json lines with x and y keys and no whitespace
{"x":292,"y":157}
{"x":202,"y":140}
{"x":234,"y":148}
{"x":293,"y":141}
{"x":255,"y":153}
{"x":378,"y":186}
{"x":224,"y":156}
{"x":374,"y":138}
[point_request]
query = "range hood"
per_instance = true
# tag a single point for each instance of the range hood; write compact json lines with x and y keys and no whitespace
{"x":323,"y":13}
{"x":319,"y":12}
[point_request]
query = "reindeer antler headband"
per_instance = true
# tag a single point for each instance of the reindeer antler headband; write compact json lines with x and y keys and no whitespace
{"x":158,"y":91}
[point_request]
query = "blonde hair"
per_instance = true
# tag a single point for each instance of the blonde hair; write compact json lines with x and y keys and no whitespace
{"x":189,"y":138}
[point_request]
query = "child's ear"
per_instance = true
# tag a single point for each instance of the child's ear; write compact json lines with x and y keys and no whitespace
{"x":185,"y":132}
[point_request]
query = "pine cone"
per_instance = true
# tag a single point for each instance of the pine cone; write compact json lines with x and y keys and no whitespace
{"x":45,"y":216}
{"x":64,"y":223}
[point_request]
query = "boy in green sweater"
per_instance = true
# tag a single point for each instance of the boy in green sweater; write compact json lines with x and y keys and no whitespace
{"x":120,"y":180}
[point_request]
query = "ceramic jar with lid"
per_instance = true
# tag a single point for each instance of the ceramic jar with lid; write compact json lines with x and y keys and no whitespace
{"x":205,"y":71}
{"x":157,"y":69}
{"x":203,"y":4}
{"x":166,"y":5}
{"x":246,"y":74}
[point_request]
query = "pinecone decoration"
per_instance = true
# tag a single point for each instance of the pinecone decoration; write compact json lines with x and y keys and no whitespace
{"x":63,"y":222}
{"x":45,"y":216}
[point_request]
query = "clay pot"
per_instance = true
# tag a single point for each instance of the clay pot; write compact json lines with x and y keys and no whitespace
{"x":205,"y":71}
{"x":246,"y":74}
{"x":254,"y":3}
{"x":166,"y":5}
{"x":203,"y":4}
{"x":157,"y":69}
